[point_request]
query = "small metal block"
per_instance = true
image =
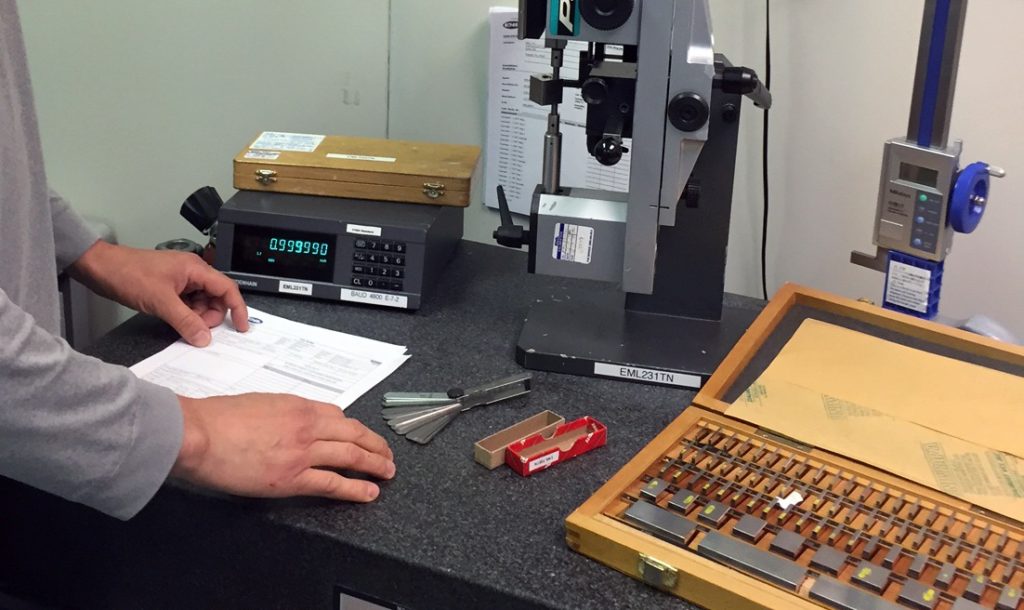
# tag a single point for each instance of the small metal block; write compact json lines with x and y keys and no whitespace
{"x":870,"y":576}
{"x":714,"y":514}
{"x":892,"y":556}
{"x":917,"y":595}
{"x":544,"y":90}
{"x":1009,"y":599}
{"x":661,"y":523}
{"x":945,"y":576}
{"x":654,"y":488}
{"x":750,"y":528}
{"x":829,"y":560}
{"x":788,"y":543}
{"x":976,"y":588}
{"x":870,"y":548}
{"x":917,"y":566}
{"x":683,"y":500}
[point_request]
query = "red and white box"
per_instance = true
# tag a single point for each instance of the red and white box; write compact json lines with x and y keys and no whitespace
{"x":538,"y":452}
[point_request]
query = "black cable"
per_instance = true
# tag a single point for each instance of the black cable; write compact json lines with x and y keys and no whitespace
{"x":764,"y":146}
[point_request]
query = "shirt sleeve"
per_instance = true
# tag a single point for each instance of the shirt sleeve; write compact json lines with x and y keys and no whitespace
{"x":71,"y":234}
{"x":77,"y":427}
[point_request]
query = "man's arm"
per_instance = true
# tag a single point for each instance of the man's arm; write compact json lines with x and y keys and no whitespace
{"x":71,"y":234}
{"x":77,"y":427}
{"x":256,"y":444}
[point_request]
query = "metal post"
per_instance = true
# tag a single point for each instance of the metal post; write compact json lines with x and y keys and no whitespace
{"x":935,"y":81}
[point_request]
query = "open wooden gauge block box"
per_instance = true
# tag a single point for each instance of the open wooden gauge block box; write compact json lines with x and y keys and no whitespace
{"x":842,"y":456}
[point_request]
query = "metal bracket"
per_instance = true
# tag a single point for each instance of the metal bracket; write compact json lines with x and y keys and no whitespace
{"x":877,"y":262}
{"x":657,"y":573}
{"x":433,"y":190}
{"x":266,"y":176}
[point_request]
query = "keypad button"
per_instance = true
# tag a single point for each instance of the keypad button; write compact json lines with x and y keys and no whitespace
{"x":398,"y":273}
{"x":400,"y":260}
{"x":361,"y":243}
{"x":373,"y":258}
{"x":373,"y":245}
{"x":372,"y":283}
{"x":400,"y":248}
{"x":387,"y":259}
{"x":358,"y":281}
{"x":397,"y":286}
{"x":362,"y":269}
{"x":359,"y":255}
{"x":381,"y":271}
{"x":387,"y":247}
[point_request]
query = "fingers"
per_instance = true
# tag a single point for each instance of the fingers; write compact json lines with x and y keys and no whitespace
{"x":212,"y":311}
{"x":332,"y":425}
{"x":188,"y":323}
{"x":224,"y":290}
{"x":349,"y":456}
{"x":327,"y":484}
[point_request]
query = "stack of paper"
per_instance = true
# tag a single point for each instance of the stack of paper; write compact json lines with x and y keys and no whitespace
{"x":275,"y":356}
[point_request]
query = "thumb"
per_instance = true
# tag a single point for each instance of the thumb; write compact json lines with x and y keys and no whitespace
{"x":187,"y":322}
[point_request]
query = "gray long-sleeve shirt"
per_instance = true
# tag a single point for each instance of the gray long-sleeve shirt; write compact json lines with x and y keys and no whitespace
{"x":69,"y":424}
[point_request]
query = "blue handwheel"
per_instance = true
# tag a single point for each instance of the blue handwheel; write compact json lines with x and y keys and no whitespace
{"x":970,"y":194}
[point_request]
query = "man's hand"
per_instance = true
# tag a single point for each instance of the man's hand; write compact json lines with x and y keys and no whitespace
{"x":276,"y":445}
{"x":177,"y":287}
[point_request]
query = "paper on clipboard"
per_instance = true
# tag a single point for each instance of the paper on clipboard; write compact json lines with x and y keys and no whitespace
{"x":974,"y":473}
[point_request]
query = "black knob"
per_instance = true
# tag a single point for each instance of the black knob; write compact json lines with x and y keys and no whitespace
{"x":608,"y":150}
{"x":201,"y":208}
{"x":691,"y":194}
{"x":606,"y":14}
{"x":688,"y":112}
{"x":594,"y":90}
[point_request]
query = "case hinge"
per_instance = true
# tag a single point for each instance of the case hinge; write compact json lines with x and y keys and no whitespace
{"x":433,"y":190}
{"x":657,"y":573}
{"x":266,"y":176}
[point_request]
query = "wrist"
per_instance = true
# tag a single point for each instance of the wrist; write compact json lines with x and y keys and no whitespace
{"x":194,"y":439}
{"x":89,"y":267}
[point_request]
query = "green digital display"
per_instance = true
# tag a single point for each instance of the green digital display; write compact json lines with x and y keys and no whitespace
{"x":273,"y":252}
{"x":298,"y":246}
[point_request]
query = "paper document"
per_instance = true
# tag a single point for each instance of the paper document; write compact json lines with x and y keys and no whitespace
{"x":516,"y":126}
{"x":275,"y":356}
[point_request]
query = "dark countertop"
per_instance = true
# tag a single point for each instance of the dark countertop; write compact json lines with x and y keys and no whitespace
{"x":444,"y":533}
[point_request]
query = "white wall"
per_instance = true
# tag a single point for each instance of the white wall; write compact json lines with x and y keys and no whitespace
{"x":140,"y":103}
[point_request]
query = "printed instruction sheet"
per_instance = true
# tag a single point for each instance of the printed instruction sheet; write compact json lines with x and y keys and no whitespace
{"x":276,"y":356}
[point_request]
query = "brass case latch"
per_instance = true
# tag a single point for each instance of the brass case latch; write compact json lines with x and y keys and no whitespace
{"x":266,"y":176}
{"x":434,"y":190}
{"x":657,"y":573}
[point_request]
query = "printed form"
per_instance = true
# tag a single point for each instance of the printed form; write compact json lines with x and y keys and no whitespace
{"x":275,"y":356}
